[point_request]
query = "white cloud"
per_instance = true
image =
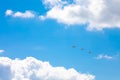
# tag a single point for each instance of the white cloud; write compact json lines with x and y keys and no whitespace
{"x":99,"y":14}
{"x":101,"y":56}
{"x":26,"y":14}
{"x":33,"y":69}
{"x":1,"y":51}
{"x":52,"y":3}
{"x":9,"y":12}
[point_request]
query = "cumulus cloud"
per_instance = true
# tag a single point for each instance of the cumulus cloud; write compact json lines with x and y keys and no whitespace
{"x":99,"y":14}
{"x":26,"y":14}
{"x":1,"y":51}
{"x":101,"y":56}
{"x":9,"y":12}
{"x":33,"y":69}
{"x":52,"y":3}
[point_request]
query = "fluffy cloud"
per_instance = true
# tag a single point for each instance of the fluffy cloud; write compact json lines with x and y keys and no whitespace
{"x":1,"y":51}
{"x":9,"y":12}
{"x":99,"y":14}
{"x":101,"y":56}
{"x":26,"y":14}
{"x":33,"y":69}
{"x":52,"y":3}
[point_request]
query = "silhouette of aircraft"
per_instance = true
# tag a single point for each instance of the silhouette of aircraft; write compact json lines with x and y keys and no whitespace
{"x":74,"y":46}
{"x":82,"y":49}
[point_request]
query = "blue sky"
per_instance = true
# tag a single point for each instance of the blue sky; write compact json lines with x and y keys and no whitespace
{"x":52,"y":40}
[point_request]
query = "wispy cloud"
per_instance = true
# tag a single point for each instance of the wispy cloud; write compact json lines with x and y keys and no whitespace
{"x":33,"y":69}
{"x":104,"y":56}
{"x":18,"y":14}
{"x":1,"y":51}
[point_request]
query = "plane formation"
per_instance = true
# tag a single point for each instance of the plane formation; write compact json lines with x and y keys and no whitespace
{"x":82,"y":49}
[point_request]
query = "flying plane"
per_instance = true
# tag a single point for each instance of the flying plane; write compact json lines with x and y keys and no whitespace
{"x":82,"y":49}
{"x":89,"y":52}
{"x":74,"y":46}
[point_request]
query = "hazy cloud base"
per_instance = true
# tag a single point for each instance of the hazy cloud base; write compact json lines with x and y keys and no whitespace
{"x":33,"y":69}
